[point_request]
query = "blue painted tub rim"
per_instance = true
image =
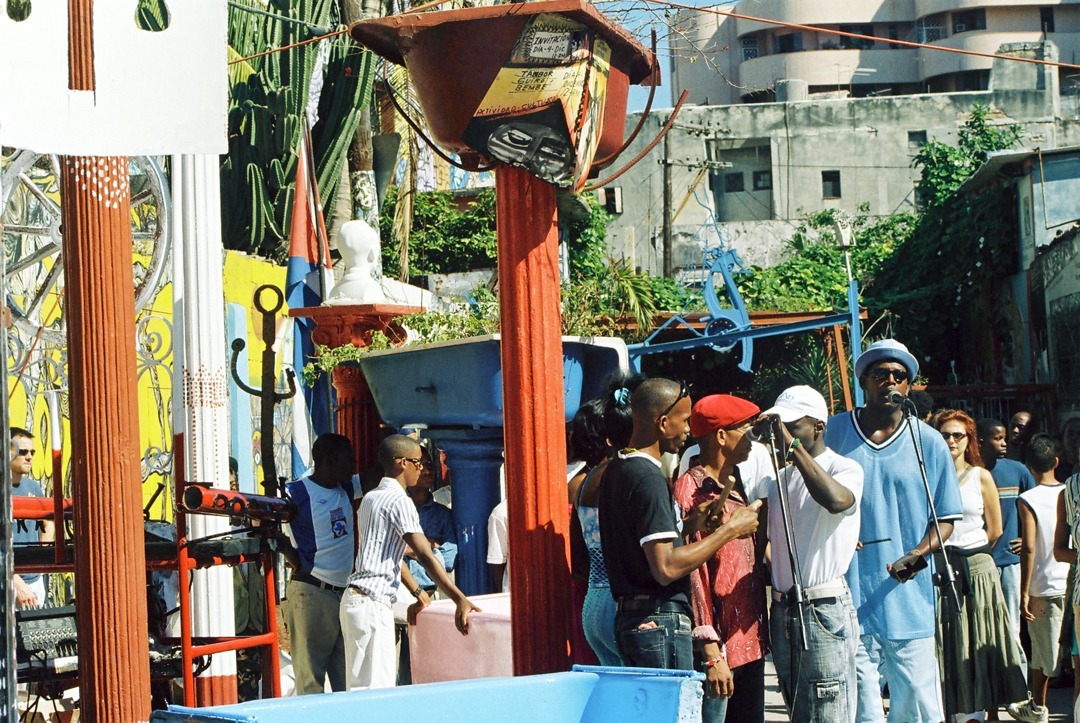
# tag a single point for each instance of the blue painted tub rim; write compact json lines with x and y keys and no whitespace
{"x":611,"y":342}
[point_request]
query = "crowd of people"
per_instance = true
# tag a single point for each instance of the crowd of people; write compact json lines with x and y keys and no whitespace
{"x":888,"y":558}
{"x":903,"y":549}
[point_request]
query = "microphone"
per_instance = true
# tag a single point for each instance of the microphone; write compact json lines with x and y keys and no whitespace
{"x":895,"y":397}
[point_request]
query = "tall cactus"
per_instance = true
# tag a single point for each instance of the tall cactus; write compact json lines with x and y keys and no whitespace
{"x":267,"y":113}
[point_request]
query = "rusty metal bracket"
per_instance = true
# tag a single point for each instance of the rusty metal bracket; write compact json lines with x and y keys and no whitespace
{"x":648,"y":148}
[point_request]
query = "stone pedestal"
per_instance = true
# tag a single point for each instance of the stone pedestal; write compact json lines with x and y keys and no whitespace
{"x":343,"y":324}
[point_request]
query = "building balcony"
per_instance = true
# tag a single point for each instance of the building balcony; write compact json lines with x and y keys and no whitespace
{"x":824,"y":12}
{"x":841,"y":68}
{"x":924,"y":8}
{"x":933,"y":63}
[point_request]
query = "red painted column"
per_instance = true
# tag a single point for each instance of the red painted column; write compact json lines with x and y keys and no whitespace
{"x":534,"y":422}
{"x":357,"y":417}
{"x":110,"y":560}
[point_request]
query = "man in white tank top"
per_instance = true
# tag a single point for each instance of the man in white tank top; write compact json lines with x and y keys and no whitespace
{"x":1042,"y":578}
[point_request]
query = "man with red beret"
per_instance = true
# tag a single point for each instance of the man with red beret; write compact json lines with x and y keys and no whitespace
{"x":641,"y":534}
{"x":728,"y":589}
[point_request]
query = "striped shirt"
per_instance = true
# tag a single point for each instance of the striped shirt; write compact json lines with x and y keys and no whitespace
{"x":1072,"y":516}
{"x":386,"y":516}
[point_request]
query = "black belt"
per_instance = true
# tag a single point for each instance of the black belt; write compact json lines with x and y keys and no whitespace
{"x":649,"y":604}
{"x":301,"y":576}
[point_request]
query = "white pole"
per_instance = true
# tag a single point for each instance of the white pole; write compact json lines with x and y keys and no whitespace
{"x":200,"y":393}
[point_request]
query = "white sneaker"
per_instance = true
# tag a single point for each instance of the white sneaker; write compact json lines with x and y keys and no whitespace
{"x":1028,"y":712}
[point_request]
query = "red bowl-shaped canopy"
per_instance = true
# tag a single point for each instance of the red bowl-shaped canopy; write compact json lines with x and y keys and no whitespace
{"x":454,"y":55}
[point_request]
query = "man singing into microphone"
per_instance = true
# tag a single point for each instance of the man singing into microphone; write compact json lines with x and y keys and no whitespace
{"x":894,"y":600}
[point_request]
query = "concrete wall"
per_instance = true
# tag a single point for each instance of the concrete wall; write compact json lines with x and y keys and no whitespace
{"x":866,"y":140}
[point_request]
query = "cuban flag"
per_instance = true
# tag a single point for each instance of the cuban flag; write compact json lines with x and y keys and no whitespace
{"x":308,"y":280}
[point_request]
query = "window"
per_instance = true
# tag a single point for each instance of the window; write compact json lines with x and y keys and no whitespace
{"x":733,"y":183}
{"x":920,"y":200}
{"x":762,"y":180}
{"x":916,"y":139}
{"x":969,"y":20}
{"x":856,"y":43}
{"x":789,"y":43}
{"x":749,"y":48}
{"x":610,"y":199}
{"x":894,"y":34}
{"x":1046,"y":20}
{"x":830,"y":184}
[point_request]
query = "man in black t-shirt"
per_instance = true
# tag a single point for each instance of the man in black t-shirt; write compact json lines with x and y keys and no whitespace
{"x":642,"y":536}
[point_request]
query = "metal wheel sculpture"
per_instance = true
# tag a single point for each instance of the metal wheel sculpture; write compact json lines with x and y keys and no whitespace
{"x":32,"y":237}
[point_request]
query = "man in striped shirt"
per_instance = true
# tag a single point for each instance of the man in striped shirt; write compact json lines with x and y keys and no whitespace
{"x":387,"y":523}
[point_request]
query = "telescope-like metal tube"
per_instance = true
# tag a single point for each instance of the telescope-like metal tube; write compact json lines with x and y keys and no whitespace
{"x":213,"y":501}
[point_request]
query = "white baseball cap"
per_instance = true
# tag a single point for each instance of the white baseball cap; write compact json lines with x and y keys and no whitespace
{"x":797,"y":402}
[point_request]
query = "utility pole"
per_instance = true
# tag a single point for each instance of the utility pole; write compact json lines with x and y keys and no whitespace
{"x":669,"y":264}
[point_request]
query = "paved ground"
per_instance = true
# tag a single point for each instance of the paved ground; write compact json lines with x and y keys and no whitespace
{"x":1060,"y":701}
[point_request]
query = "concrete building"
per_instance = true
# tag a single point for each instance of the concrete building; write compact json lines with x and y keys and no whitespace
{"x":749,"y":171}
{"x":723,"y":60}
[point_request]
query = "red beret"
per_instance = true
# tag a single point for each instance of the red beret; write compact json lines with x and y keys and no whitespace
{"x":720,"y":411}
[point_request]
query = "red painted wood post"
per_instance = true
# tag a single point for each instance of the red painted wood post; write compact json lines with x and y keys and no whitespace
{"x":110,"y":560}
{"x":534,"y":422}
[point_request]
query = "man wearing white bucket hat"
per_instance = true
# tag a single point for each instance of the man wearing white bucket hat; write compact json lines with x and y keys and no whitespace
{"x":895,"y":602}
{"x":822,"y":492}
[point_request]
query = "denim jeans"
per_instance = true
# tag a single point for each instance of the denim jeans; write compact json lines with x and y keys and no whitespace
{"x":818,"y":683}
{"x":598,"y":622}
{"x":1010,"y":588}
{"x":668,"y":645}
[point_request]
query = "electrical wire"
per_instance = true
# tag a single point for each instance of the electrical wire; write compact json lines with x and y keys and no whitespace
{"x":275,"y":16}
{"x":860,"y":36}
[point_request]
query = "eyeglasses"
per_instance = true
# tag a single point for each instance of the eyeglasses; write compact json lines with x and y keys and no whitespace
{"x":684,"y":391}
{"x":25,"y":453}
{"x":418,"y":462}
{"x":954,"y":435}
{"x":884,"y":375}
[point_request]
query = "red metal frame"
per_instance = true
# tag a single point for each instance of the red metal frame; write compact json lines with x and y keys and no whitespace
{"x":184,"y":564}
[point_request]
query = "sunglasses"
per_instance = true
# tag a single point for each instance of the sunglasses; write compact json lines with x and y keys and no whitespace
{"x":25,"y":453}
{"x":418,"y":462}
{"x":954,"y":435}
{"x":684,"y":391}
{"x":884,"y":375}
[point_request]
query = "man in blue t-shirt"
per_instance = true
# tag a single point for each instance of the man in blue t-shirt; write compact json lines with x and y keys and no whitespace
{"x":894,"y":600}
{"x":319,"y":544}
{"x":29,"y":587}
{"x":1012,"y":479}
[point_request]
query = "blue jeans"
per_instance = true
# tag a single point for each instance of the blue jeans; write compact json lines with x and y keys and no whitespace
{"x":910,"y":668}
{"x":1010,"y":588}
{"x":819,"y":683}
{"x":668,"y":645}
{"x":598,"y":622}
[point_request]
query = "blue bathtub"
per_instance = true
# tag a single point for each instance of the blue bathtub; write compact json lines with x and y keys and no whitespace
{"x":585,"y":695}
{"x":459,"y":383}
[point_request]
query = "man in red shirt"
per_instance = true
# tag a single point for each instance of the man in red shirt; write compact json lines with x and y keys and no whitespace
{"x":728,"y":591}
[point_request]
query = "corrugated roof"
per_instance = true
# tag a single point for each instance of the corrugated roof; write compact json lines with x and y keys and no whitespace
{"x":995,"y":163}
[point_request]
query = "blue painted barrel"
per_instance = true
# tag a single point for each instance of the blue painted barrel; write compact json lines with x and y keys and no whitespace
{"x":585,"y":695}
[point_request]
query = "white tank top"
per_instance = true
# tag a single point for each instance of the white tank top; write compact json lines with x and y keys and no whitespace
{"x":968,"y":532}
{"x":1049,"y":577}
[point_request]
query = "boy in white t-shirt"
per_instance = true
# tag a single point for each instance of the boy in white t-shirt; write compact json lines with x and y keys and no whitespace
{"x":1042,"y":578}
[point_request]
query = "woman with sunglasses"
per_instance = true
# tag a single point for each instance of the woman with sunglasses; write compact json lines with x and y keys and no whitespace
{"x":982,"y":665}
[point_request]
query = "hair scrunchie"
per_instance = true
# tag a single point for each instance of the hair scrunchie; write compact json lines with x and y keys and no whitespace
{"x":622,"y":395}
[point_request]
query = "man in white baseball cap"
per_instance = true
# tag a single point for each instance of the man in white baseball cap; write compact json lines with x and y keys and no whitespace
{"x":823,"y":493}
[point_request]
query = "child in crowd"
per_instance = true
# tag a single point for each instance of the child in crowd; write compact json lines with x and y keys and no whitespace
{"x":1042,"y":578}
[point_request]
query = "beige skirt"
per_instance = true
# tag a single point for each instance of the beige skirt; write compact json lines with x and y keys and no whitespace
{"x":979,"y":660}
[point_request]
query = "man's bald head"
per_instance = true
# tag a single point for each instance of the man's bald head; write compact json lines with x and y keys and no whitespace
{"x":395,"y":447}
{"x":653,"y":397}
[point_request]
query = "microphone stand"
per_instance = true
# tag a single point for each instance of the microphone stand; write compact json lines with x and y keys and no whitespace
{"x":949,"y":578}
{"x":789,"y":533}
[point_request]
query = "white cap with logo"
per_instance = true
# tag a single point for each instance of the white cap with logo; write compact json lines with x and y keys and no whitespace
{"x":797,"y":402}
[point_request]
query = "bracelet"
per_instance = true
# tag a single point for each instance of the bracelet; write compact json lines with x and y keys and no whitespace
{"x":711,"y":663}
{"x":417,"y":593}
{"x":795,"y":444}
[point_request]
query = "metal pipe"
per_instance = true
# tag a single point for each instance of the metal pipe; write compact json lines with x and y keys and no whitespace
{"x":213,"y":501}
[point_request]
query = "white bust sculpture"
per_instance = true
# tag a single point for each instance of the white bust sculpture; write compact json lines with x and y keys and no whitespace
{"x":358,"y":244}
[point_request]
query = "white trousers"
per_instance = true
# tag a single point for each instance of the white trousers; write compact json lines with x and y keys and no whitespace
{"x":368,"y":627}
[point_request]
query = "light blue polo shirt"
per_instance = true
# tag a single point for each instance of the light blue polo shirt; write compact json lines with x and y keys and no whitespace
{"x":894,"y":506}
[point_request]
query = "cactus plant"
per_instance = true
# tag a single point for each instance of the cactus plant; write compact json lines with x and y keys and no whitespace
{"x":268,"y":106}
